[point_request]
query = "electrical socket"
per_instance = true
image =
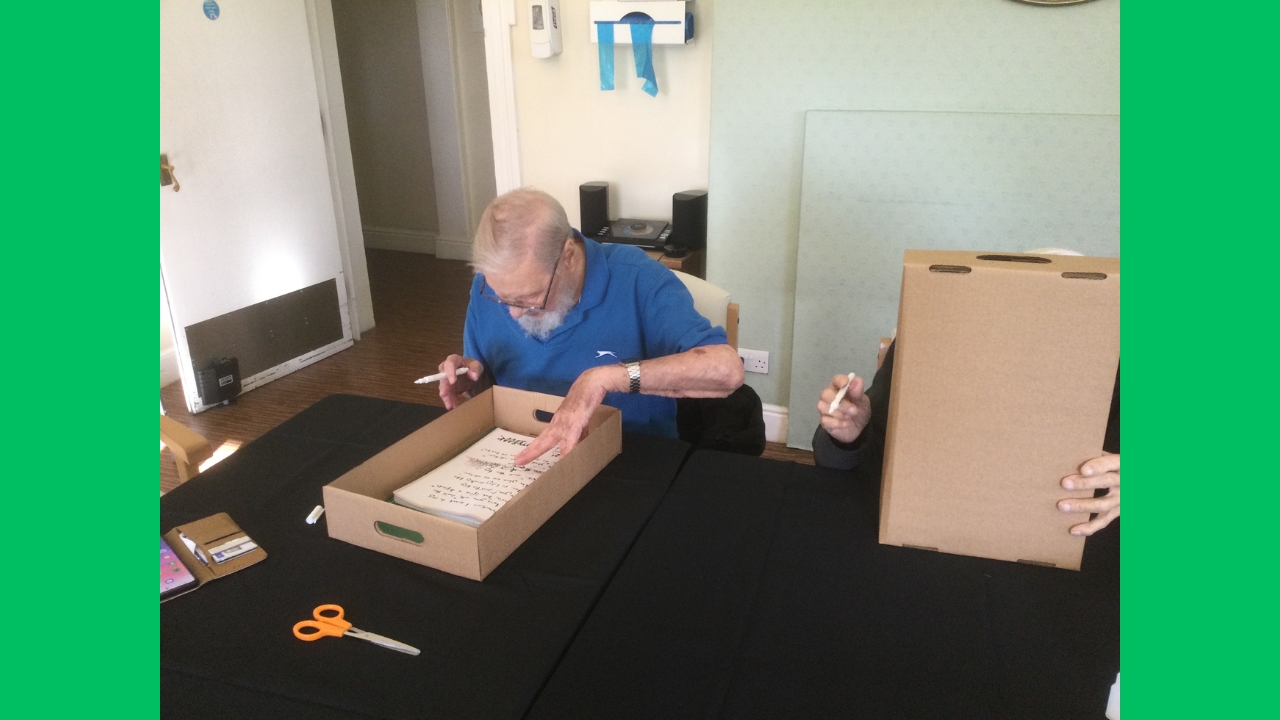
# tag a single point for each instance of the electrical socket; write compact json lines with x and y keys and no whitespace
{"x":755,"y":361}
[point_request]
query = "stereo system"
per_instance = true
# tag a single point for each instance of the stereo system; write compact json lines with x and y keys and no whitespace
{"x":686,"y":231}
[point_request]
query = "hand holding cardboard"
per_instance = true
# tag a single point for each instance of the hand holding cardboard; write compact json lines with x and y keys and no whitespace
{"x":1100,"y":472}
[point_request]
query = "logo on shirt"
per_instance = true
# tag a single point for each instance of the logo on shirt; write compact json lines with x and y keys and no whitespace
{"x":602,"y":353}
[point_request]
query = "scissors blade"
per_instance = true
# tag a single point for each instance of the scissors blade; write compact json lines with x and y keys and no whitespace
{"x":385,"y":642}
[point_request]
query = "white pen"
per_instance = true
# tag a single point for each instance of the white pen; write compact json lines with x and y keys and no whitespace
{"x":840,"y":395}
{"x":438,"y":377}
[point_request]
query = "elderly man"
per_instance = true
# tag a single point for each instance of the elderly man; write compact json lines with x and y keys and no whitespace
{"x":554,"y":312}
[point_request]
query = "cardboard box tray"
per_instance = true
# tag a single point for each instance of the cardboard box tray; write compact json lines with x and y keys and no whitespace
{"x":359,"y":511}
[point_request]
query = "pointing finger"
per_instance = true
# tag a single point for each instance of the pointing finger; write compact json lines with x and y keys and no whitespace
{"x":539,"y":447}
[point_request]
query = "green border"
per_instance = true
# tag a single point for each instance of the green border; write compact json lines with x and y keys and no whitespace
{"x":80,"y":128}
{"x":81,"y":219}
{"x":1199,"y":155}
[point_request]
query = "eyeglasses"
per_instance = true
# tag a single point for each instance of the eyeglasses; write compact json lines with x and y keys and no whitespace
{"x":488,"y":293}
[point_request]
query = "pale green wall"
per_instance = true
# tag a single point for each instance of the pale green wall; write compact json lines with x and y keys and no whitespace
{"x":772,"y":61}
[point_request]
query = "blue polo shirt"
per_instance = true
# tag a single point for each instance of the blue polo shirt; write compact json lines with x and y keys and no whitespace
{"x":632,"y":308}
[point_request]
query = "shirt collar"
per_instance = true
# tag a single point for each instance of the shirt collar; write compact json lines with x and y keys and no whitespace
{"x":596,"y":277}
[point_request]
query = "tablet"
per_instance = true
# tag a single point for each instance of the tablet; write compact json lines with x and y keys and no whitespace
{"x":174,"y":576}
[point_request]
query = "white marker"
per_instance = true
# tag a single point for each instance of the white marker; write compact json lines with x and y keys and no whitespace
{"x":315,"y":515}
{"x":438,"y":377}
{"x":840,"y":395}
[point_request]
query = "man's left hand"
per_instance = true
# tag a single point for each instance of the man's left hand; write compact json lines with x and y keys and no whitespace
{"x":1100,"y":472}
{"x":569,"y":425}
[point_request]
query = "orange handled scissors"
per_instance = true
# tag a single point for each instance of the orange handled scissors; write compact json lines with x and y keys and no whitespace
{"x":332,"y":624}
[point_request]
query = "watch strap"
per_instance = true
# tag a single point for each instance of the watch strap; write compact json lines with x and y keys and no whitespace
{"x":633,"y":371}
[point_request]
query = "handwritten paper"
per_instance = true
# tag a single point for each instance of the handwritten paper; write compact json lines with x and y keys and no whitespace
{"x":472,"y":486}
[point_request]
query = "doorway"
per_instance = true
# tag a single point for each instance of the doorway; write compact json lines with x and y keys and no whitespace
{"x":417,"y":110}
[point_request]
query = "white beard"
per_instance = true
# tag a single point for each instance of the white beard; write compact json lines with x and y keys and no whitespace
{"x":542,"y":325}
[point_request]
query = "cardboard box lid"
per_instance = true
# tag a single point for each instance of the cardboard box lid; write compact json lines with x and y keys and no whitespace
{"x":1003,"y":376}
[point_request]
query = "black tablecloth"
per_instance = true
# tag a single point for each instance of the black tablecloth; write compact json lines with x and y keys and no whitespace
{"x":758,"y":590}
{"x":227,"y":649}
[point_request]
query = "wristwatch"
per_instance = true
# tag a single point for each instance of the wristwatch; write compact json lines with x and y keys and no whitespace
{"x":633,"y":370}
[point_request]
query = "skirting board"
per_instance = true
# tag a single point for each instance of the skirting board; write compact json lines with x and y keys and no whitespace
{"x":453,"y":249}
{"x":384,"y":238}
{"x":418,"y":241}
{"x":169,"y":367}
{"x":775,"y":423}
{"x":281,"y":370}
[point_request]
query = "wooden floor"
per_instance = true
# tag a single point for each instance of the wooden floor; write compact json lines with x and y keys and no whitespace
{"x":420,"y":305}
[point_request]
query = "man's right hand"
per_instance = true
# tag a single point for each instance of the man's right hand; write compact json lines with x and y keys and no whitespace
{"x":851,"y":416}
{"x":454,"y":388}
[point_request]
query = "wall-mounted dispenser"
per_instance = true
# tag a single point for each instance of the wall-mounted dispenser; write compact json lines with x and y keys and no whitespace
{"x":672,"y":22}
{"x":544,"y":28}
{"x":641,"y":25}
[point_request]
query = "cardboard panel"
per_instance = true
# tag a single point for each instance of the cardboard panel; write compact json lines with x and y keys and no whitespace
{"x":448,"y":546}
{"x":1002,"y":385}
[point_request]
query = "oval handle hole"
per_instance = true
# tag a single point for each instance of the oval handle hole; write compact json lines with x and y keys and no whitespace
{"x":1084,"y":276}
{"x":397,"y":532}
{"x":1016,"y":258}
{"x":959,"y":269}
{"x":543,"y":416}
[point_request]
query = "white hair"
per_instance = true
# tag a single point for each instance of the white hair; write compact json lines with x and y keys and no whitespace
{"x":520,"y":224}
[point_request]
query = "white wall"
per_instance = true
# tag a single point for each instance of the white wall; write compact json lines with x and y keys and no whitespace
{"x":571,"y":132}
{"x":382,"y":81}
{"x":168,"y":353}
{"x":774,"y":61}
{"x":240,"y":121}
{"x":451,"y":35}
{"x":473,"y":108}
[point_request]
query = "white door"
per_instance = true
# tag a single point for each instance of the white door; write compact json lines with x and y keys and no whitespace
{"x":254,"y":219}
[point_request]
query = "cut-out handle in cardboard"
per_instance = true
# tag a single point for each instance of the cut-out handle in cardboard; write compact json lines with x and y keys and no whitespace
{"x":1084,"y":275}
{"x":1016,"y":258}
{"x":397,"y":532}
{"x":957,"y":269}
{"x":543,"y":416}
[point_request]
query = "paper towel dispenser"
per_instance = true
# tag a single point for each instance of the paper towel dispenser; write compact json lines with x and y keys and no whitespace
{"x":672,"y":20}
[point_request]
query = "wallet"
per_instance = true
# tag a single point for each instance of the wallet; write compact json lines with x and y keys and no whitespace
{"x":208,"y":534}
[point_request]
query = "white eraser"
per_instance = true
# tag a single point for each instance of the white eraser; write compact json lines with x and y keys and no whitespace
{"x":315,"y":515}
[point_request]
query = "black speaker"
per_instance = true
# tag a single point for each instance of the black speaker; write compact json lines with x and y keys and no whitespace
{"x":689,"y":219}
{"x":220,"y":382}
{"x":593,"y":203}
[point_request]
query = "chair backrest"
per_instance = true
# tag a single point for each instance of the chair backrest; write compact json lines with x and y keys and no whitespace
{"x":713,"y":304}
